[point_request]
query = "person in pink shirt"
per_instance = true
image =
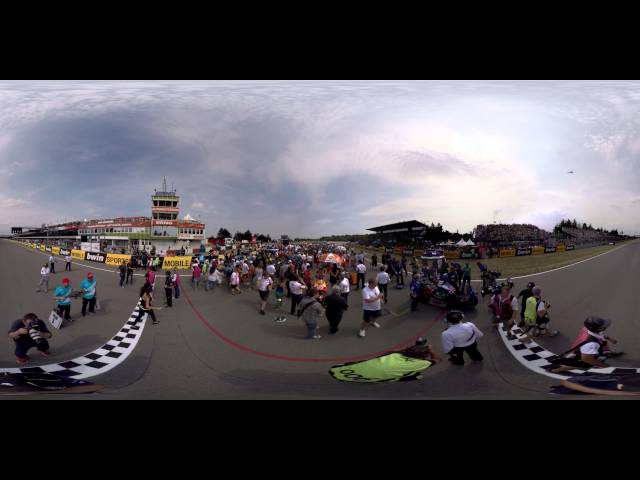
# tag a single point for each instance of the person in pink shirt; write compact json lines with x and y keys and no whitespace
{"x":176,"y":283}
{"x":195,"y":279}
{"x":151,"y":277}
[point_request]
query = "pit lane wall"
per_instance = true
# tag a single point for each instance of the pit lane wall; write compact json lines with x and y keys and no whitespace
{"x":112,"y":259}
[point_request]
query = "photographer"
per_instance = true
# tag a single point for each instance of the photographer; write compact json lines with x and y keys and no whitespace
{"x":536,"y":316}
{"x":29,"y":332}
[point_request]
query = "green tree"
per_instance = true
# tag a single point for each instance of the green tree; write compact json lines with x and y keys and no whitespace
{"x":224,"y":233}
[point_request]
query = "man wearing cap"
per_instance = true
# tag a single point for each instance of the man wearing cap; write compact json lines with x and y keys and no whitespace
{"x":461,"y":337}
{"x":587,"y":353}
{"x":525,"y":294}
{"x":63,"y":296}
{"x":422,"y":350}
{"x":88,"y":287}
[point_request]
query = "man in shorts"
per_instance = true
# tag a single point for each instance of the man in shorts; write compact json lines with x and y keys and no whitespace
{"x":371,"y":306}
{"x":264,"y":288}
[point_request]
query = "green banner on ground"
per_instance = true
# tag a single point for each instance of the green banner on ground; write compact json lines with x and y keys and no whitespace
{"x":387,"y":368}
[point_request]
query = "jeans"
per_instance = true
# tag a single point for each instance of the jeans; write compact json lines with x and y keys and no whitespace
{"x":177,"y":290}
{"x":130,"y":277}
{"x":312,"y":329}
{"x":122,"y":279}
{"x":151,"y":313}
{"x":383,"y":288}
{"x":295,"y":300}
{"x":465,"y":281}
{"x":209,"y":285}
{"x":360,"y":279}
{"x":168,"y":292}
{"x":92,"y":305}
{"x":26,"y":343}
{"x":53,"y":267}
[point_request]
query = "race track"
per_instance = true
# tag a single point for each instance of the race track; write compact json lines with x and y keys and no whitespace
{"x":216,"y":346}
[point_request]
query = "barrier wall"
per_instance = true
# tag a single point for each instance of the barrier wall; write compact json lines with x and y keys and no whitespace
{"x":507,"y":252}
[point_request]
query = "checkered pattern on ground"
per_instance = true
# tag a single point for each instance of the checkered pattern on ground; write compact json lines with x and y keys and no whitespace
{"x":534,"y":357}
{"x":101,"y":360}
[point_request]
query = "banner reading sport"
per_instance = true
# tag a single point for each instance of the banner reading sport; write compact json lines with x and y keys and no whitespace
{"x":387,"y":368}
{"x":116,"y":259}
{"x":181,"y":263}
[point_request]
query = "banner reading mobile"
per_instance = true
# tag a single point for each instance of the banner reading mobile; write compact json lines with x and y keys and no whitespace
{"x":117,"y":259}
{"x":181,"y":263}
{"x":507,"y":252}
{"x":77,"y":254}
{"x":55,"y":250}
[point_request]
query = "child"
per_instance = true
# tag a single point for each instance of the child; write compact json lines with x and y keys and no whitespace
{"x":279,"y":294}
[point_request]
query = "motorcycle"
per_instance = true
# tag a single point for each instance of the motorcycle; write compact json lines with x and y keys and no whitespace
{"x":440,"y":297}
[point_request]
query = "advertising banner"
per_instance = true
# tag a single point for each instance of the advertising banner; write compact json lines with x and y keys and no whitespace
{"x":90,"y":247}
{"x":407,"y":252}
{"x":381,"y":249}
{"x":48,"y":249}
{"x":418,"y":253}
{"x":181,"y":263}
{"x":537,"y":250}
{"x":397,"y":250}
{"x":451,"y":254}
{"x":96,"y":257}
{"x":468,"y":255}
{"x":117,"y":259}
{"x":549,"y":249}
{"x":55,"y":250}
{"x":65,"y":252}
{"x":560,"y":248}
{"x":523,"y":251}
{"x":77,"y":254}
{"x":42,"y":248}
{"x":507,"y":252}
{"x":571,"y":247}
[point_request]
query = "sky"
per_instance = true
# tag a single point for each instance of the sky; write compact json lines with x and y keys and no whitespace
{"x":313,"y":158}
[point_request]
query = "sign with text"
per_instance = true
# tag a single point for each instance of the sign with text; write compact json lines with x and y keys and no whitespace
{"x":570,"y":247}
{"x":523,"y":251}
{"x":537,"y":250}
{"x":180,"y":263}
{"x":451,"y":254}
{"x":560,"y":248}
{"x":117,"y":259}
{"x":95,"y":257}
{"x":549,"y":249}
{"x":55,"y":250}
{"x":65,"y":252}
{"x":507,"y":252}
{"x":77,"y":254}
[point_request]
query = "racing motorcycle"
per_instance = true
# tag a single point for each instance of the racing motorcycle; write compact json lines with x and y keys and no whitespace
{"x":440,"y":297}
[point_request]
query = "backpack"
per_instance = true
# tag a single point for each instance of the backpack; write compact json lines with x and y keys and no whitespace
{"x":504,"y":310}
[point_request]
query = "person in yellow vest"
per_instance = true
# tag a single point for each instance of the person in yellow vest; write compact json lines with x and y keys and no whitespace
{"x":536,"y":316}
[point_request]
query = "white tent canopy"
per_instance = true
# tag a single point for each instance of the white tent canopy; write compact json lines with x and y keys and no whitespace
{"x":461,"y":243}
{"x":470,"y":243}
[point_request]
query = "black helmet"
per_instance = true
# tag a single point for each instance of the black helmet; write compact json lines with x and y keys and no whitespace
{"x":455,"y":316}
{"x":421,"y":341}
{"x":531,"y":285}
{"x":596,"y":324}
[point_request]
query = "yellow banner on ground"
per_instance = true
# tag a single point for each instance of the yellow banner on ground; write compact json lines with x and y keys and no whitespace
{"x":117,"y":259}
{"x":561,"y":248}
{"x":537,"y":250}
{"x":507,"y":252}
{"x":452,"y":254}
{"x":77,"y":254}
{"x":55,"y":250}
{"x":181,"y":263}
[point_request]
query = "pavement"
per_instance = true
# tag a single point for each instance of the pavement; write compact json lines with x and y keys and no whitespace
{"x":212,"y":345}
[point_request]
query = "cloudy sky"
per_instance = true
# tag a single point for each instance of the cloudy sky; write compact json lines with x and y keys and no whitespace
{"x":308,"y":158}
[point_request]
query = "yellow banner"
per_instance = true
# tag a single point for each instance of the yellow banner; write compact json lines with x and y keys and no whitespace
{"x":537,"y":250}
{"x":42,"y":248}
{"x":181,"y":263}
{"x":117,"y":259}
{"x":55,"y":250}
{"x":77,"y":254}
{"x":418,"y":253}
{"x":451,"y":254}
{"x":507,"y":252}
{"x":561,"y":248}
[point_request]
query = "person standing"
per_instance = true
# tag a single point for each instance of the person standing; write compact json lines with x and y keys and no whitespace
{"x":344,"y":286}
{"x":415,"y":290}
{"x":129,"y":272}
{"x":176,"y":283}
{"x":311,"y":311}
{"x":374,"y":261}
{"x":195,"y":280}
{"x":265,"y":284}
{"x":525,"y":294}
{"x":151,"y":277}
{"x":88,"y":287}
{"x":459,"y":338}
{"x":360,"y":270}
{"x":383,"y":281}
{"x":44,"y":278}
{"x":466,"y":276}
{"x":335,"y":305}
{"x":234,"y":281}
{"x":123,"y":274}
{"x":168,"y":288}
{"x":145,"y":305}
{"x":297,"y":291}
{"x":371,"y":306}
{"x":63,"y":297}
{"x":52,"y":263}
{"x":67,"y":267}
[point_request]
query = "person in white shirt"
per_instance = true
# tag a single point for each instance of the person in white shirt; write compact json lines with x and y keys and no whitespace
{"x":264,"y":288}
{"x":67,"y":267}
{"x":344,"y":286}
{"x":297,"y":289}
{"x":234,"y":281}
{"x":52,"y":263}
{"x":371,"y":306}
{"x":383,"y":281}
{"x":360,"y":270}
{"x":44,"y":278}
{"x":271,"y":269}
{"x":461,"y":337}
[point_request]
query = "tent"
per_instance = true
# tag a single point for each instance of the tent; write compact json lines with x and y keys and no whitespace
{"x":470,"y":243}
{"x":461,"y":243}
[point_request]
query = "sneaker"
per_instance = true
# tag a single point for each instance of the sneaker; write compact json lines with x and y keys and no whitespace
{"x":316,"y":337}
{"x":281,"y":320}
{"x":156,"y":322}
{"x":361,"y":333}
{"x":22,"y":361}
{"x":375,"y":324}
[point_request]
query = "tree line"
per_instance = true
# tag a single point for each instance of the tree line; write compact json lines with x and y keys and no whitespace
{"x":575,"y":224}
{"x":239,"y":236}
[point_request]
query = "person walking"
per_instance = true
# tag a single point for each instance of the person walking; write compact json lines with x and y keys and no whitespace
{"x":196,"y":275}
{"x":123,"y":274}
{"x":265,"y":284}
{"x":129,"y":272}
{"x":461,"y":337}
{"x":311,"y":311}
{"x":146,"y":308}
{"x":52,"y":263}
{"x":415,"y":291}
{"x":44,"y":278}
{"x":176,"y":283}
{"x":335,"y":305}
{"x":297,"y":289}
{"x":371,"y":306}
{"x":361,"y":269}
{"x":466,"y":276}
{"x":168,"y":288}
{"x":88,"y":287}
{"x":234,"y":281}
{"x":374,"y":261}
{"x":67,"y":259}
{"x":383,"y":281}
{"x":344,"y":286}
{"x":63,"y":297}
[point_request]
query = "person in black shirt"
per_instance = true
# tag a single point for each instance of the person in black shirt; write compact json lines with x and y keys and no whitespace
{"x":29,"y":332}
{"x":335,"y":306}
{"x":525,"y":294}
{"x":168,"y":288}
{"x":129,"y":272}
{"x":123,"y":273}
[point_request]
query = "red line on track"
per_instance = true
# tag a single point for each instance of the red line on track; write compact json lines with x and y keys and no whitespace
{"x":286,"y":358}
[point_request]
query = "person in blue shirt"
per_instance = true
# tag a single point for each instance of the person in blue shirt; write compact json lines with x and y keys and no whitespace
{"x":415,"y":288}
{"x":63,"y":296}
{"x":88,"y":287}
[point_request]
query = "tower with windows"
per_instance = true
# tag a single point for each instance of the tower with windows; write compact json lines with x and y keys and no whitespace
{"x":164,"y":214}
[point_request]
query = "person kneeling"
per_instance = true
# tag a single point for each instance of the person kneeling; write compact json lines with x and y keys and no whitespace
{"x":29,"y":332}
{"x":459,"y":338}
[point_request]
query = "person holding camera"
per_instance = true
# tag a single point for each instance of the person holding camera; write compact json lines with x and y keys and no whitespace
{"x":536,"y":316}
{"x":29,"y":332}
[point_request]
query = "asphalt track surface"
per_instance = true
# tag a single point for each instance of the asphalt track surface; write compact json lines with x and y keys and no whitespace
{"x":212,"y":345}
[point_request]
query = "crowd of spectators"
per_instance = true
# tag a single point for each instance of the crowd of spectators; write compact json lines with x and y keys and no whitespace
{"x":500,"y":234}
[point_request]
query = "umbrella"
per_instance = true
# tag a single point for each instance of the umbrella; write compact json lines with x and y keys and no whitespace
{"x":331,"y":258}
